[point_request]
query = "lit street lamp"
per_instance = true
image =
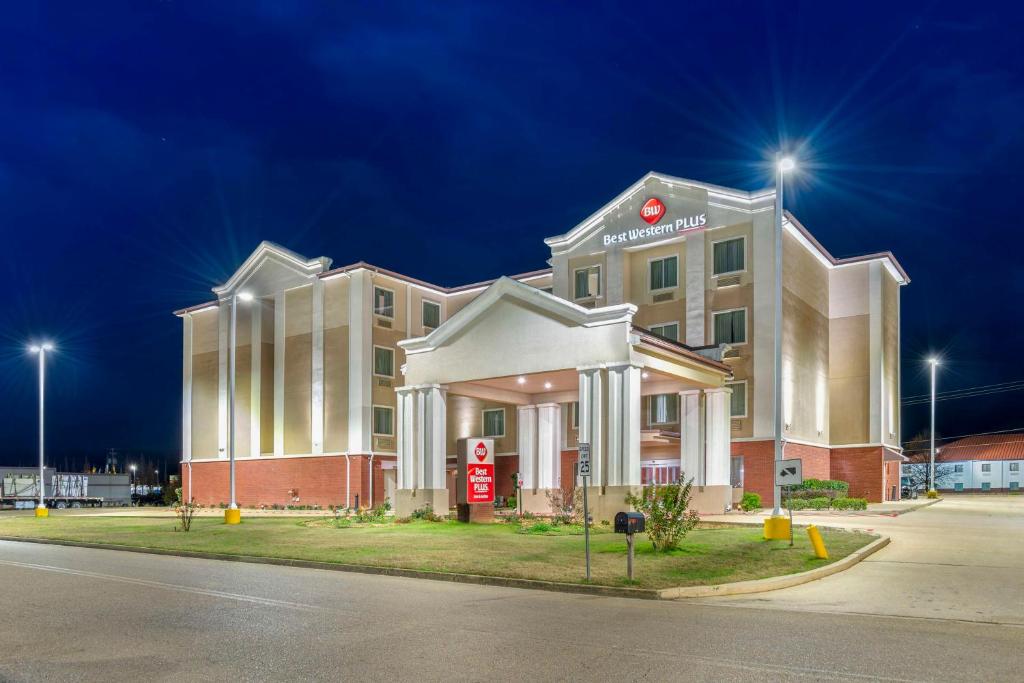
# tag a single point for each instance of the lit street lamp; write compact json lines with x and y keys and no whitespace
{"x":934,"y":362}
{"x":233,"y":515}
{"x":783,"y":165}
{"x":41,"y":350}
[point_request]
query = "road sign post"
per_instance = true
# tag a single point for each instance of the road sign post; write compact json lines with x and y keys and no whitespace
{"x":583,"y":469}
{"x":789,"y":473}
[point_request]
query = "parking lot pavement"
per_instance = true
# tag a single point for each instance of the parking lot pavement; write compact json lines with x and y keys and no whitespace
{"x":960,"y":559}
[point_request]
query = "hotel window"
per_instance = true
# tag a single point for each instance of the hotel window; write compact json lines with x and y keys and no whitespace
{"x":431,"y":314}
{"x":494,"y":422}
{"x":986,"y":467}
{"x":667,"y":330}
{"x":738,"y":404}
{"x":731,"y":327}
{"x":383,"y":421}
{"x":664,"y":409}
{"x":958,"y":469}
{"x":728,"y":256}
{"x":735,"y":472}
{"x":587,"y":282}
{"x":1015,"y":467}
{"x":574,"y":415}
{"x":383,"y":361}
{"x":664,"y":273}
{"x":383,"y":302}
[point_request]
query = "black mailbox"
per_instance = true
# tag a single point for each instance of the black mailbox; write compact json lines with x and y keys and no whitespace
{"x":629,"y":522}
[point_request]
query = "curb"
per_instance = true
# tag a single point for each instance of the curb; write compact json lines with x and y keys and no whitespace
{"x":737,"y":588}
{"x":775,"y":582}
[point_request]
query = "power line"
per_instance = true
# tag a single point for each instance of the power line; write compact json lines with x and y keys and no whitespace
{"x":964,"y":436}
{"x":963,"y":394}
{"x":956,"y":391}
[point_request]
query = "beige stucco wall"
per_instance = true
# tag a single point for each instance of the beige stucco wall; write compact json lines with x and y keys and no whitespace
{"x":849,"y":355}
{"x":805,"y":343}
{"x":336,"y":307}
{"x":205,"y":376}
{"x":267,"y":378}
{"x":465,"y":420}
{"x":298,"y":369}
{"x":890,"y":359}
{"x":638,"y":282}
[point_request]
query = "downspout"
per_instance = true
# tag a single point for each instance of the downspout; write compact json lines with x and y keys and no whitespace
{"x":348,"y":485}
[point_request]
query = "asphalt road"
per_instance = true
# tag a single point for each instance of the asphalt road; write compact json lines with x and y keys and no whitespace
{"x":81,"y":614}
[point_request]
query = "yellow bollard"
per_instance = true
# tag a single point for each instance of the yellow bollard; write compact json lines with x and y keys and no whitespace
{"x":233,"y":516}
{"x":42,"y":512}
{"x":817,"y":543}
{"x":776,"y":529}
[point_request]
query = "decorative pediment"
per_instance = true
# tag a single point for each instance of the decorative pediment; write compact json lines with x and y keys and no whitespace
{"x":272,"y":268}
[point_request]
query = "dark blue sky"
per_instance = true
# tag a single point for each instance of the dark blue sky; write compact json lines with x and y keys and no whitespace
{"x":147,"y":147}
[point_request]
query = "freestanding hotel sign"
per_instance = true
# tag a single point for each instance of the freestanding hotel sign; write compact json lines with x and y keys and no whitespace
{"x":476,"y":471}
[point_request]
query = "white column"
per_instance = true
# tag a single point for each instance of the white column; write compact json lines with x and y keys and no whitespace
{"x":419,"y":451}
{"x":623,"y":448}
{"x":360,"y":359}
{"x":613,"y":473}
{"x":255,"y":375}
{"x":527,"y":446}
{"x":691,"y":438}
{"x":434,"y":438}
{"x":592,"y":420}
{"x":695,"y":279}
{"x":406,"y":438}
{"x":316,"y":421}
{"x":549,"y":440}
{"x":718,"y":436}
{"x":279,"y":342}
{"x":186,"y":388}
{"x":876,"y":351}
{"x":223,"y":329}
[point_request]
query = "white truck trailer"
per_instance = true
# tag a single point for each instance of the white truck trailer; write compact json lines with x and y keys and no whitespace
{"x":19,"y":488}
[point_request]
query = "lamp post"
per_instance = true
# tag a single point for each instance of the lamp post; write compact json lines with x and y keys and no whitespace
{"x":132,"y":468}
{"x":41,"y":350}
{"x":233,"y":515}
{"x":783,"y":165}
{"x":934,"y":362}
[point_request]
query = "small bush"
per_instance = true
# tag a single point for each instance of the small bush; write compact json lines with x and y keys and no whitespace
{"x":425,"y":513}
{"x":850,"y":504}
{"x":750,"y":502}
{"x":511,"y":502}
{"x":933,"y":494}
{"x":796,"y":503}
{"x":539,"y":528}
{"x":668,"y":513}
{"x":822,"y":503}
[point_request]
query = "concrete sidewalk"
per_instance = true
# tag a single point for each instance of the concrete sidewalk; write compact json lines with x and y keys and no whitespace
{"x":960,"y":559}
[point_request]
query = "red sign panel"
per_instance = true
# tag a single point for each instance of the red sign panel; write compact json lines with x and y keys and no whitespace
{"x":476,"y":471}
{"x":480,"y":483}
{"x":652,"y":210}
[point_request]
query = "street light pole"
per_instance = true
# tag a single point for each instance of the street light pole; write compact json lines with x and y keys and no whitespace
{"x":232,"y":515}
{"x":934,"y":362}
{"x":40,"y":350}
{"x":782,"y":166}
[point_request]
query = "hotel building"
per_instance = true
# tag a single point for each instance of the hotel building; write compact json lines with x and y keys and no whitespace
{"x":650,"y":336}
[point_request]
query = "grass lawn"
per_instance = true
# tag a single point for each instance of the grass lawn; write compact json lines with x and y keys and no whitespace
{"x":707,"y":555}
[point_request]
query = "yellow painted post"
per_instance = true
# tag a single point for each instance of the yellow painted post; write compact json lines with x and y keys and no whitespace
{"x":776,"y":528}
{"x":42,"y":512}
{"x":817,"y":543}
{"x":233,"y":516}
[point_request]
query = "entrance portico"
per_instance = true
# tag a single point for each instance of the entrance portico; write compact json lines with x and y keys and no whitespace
{"x":569,"y":374}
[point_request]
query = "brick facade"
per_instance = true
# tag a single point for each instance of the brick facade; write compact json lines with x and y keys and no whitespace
{"x":316,"y":480}
{"x":862,"y":468}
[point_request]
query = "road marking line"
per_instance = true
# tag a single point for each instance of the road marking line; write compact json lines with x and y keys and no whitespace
{"x":268,"y":602}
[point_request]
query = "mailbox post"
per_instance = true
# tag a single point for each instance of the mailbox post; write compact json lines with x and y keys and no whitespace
{"x":629,"y":523}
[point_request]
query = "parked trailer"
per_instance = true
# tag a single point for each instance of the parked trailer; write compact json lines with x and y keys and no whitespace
{"x":19,"y":488}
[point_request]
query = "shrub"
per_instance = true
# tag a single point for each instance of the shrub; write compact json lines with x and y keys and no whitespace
{"x":668,"y":513}
{"x":539,"y":528}
{"x":511,"y":502}
{"x":425,"y":513}
{"x":821,"y":503}
{"x":750,"y":502}
{"x":933,"y":494}
{"x":184,"y":511}
{"x":820,"y":488}
{"x":850,"y":504}
{"x":796,"y":503}
{"x":373,"y":516}
{"x":566,"y":509}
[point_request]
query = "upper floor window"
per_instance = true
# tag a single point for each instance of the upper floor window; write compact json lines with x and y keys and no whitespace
{"x":664,"y":409}
{"x":986,"y":467}
{"x":587,"y":282}
{"x":494,"y":422}
{"x":383,"y":361}
{"x":383,"y":421}
{"x":1015,"y":467}
{"x":728,"y":256}
{"x":431,"y":314}
{"x":666,"y":330}
{"x":731,"y":327}
{"x":664,"y":273}
{"x":958,"y":469}
{"x":738,"y":404}
{"x":383,"y":302}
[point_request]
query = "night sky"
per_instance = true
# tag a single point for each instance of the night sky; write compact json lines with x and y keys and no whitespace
{"x":147,"y":147}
